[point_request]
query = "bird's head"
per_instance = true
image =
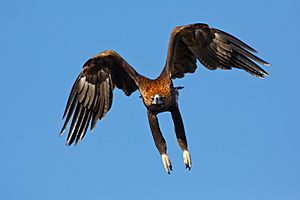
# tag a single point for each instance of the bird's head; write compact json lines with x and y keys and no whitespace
{"x":157,"y":99}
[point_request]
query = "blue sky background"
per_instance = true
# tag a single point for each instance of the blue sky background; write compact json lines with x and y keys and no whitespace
{"x":243,"y":132}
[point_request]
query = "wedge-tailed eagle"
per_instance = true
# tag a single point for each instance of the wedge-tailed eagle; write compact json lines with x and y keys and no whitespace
{"x":92,"y":93}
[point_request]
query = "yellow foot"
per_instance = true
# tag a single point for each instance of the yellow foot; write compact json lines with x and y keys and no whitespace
{"x":166,"y":162}
{"x":187,"y":159}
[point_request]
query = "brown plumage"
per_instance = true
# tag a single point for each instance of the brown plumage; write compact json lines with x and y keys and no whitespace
{"x":92,"y":93}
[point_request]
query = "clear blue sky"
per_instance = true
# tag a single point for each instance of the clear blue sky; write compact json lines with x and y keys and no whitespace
{"x":243,"y":132}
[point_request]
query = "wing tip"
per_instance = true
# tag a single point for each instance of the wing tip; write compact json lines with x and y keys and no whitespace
{"x":77,"y":142}
{"x":267,"y":64}
{"x":262,"y":75}
{"x":67,"y":143}
{"x":61,"y":132}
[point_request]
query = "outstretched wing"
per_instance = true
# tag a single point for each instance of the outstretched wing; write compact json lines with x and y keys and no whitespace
{"x":92,"y":93}
{"x":213,"y":48}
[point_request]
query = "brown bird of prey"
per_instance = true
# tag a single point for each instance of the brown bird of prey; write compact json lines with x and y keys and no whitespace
{"x":92,"y":93}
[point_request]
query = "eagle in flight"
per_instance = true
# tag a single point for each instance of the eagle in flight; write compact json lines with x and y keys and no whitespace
{"x":92,"y":93}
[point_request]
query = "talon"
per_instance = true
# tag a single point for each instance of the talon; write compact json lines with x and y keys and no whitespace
{"x":187,"y":159}
{"x":166,"y":162}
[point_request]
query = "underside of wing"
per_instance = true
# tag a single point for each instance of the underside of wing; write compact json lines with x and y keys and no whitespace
{"x":213,"y":48}
{"x":92,"y":93}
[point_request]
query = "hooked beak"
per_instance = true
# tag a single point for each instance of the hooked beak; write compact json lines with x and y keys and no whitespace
{"x":157,"y":100}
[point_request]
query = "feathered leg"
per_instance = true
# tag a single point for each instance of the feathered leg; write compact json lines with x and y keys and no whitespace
{"x":159,"y":141}
{"x":181,"y":138}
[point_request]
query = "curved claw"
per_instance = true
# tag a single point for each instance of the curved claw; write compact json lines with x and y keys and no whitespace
{"x":187,"y":159}
{"x":167,"y":163}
